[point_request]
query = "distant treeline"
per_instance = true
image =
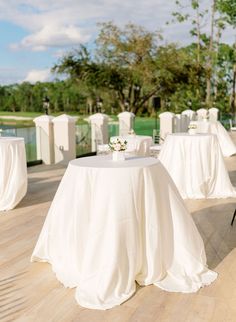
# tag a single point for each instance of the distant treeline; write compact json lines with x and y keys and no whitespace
{"x":130,"y":66}
{"x":64,"y":96}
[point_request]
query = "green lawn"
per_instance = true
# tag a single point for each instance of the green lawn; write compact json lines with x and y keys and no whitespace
{"x":145,"y":125}
{"x":142,"y":126}
{"x":23,"y":114}
{"x":11,"y":122}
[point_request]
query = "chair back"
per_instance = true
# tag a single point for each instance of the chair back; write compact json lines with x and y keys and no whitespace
{"x":167,"y":124}
{"x":191,"y":114}
{"x":213,"y":114}
{"x":202,"y":114}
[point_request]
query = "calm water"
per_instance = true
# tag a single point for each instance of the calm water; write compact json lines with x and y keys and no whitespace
{"x":83,"y":138}
{"x":29,"y":135}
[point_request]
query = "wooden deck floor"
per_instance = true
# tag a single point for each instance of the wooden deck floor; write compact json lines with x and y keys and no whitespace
{"x":29,"y":292}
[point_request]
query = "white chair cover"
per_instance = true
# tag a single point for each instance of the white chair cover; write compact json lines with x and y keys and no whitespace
{"x":167,"y":124}
{"x":213,"y":114}
{"x":202,"y":114}
{"x":191,"y":114}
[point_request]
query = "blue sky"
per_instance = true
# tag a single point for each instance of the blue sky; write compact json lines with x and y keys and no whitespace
{"x":35,"y":33}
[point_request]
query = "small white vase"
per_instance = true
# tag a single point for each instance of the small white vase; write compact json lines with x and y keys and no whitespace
{"x":192,"y":131}
{"x":118,"y":156}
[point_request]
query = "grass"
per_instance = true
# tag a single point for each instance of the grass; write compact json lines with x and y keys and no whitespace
{"x":143,"y":125}
{"x":23,"y":114}
{"x":11,"y":122}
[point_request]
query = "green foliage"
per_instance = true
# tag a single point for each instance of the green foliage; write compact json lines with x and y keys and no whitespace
{"x":64,"y":96}
{"x":228,"y":7}
{"x":129,"y":66}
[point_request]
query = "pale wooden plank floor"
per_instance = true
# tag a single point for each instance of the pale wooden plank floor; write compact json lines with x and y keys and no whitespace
{"x":29,"y":292}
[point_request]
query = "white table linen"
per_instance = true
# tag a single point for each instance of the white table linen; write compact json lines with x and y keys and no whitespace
{"x":114,"y":223}
{"x":139,"y":144}
{"x":13,"y":172}
{"x":196,"y":165}
{"x":227,"y":146}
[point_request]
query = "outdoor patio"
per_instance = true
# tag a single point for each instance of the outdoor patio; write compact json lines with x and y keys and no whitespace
{"x":30,"y":292}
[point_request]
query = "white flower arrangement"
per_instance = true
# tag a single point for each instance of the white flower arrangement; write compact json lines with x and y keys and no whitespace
{"x":192,"y":126}
{"x":118,"y":145}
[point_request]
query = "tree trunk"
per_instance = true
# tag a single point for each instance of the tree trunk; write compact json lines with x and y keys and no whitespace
{"x":215,"y":76}
{"x":233,"y":100}
{"x":198,"y":48}
{"x":210,"y":56}
{"x":208,"y":88}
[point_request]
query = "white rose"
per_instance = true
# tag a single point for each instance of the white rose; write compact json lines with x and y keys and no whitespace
{"x":117,"y":147}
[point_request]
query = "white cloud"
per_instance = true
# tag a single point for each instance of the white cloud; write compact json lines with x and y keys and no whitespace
{"x":65,"y":23}
{"x":70,"y":22}
{"x":52,"y":35}
{"x":36,"y":75}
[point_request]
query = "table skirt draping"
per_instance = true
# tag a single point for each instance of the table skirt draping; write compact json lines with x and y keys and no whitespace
{"x":196,"y":165}
{"x":13,"y":172}
{"x":227,"y":146}
{"x":109,"y":227}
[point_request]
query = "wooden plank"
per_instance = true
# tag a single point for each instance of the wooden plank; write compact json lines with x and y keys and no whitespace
{"x":30,"y":292}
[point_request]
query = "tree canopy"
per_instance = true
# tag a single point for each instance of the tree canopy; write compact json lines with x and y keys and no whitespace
{"x":130,"y":65}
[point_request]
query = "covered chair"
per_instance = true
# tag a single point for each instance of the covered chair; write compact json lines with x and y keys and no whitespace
{"x":155,"y":150}
{"x":191,"y":114}
{"x":202,"y":113}
{"x":214,"y":114}
{"x":167,"y":124}
{"x":231,"y":127}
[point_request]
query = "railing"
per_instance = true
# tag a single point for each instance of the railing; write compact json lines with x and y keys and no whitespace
{"x":83,"y":135}
{"x":29,"y":135}
{"x":113,"y":129}
{"x":83,"y":139}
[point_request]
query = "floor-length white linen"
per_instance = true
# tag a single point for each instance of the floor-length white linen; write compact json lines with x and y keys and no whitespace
{"x":196,"y":165}
{"x":112,"y":223}
{"x":227,"y":146}
{"x":13,"y":172}
{"x":139,"y":144}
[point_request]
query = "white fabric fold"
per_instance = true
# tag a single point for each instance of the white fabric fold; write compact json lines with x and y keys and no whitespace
{"x":227,"y":146}
{"x":13,"y":172}
{"x":196,"y":165}
{"x":114,"y":223}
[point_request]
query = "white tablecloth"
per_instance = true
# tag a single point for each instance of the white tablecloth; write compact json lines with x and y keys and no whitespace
{"x":196,"y":165}
{"x":112,"y":223}
{"x":227,"y":146}
{"x":140,"y":144}
{"x":13,"y":172}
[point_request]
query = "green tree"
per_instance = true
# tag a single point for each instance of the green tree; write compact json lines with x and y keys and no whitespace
{"x":207,"y":45}
{"x":124,"y":63}
{"x":228,"y":8}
